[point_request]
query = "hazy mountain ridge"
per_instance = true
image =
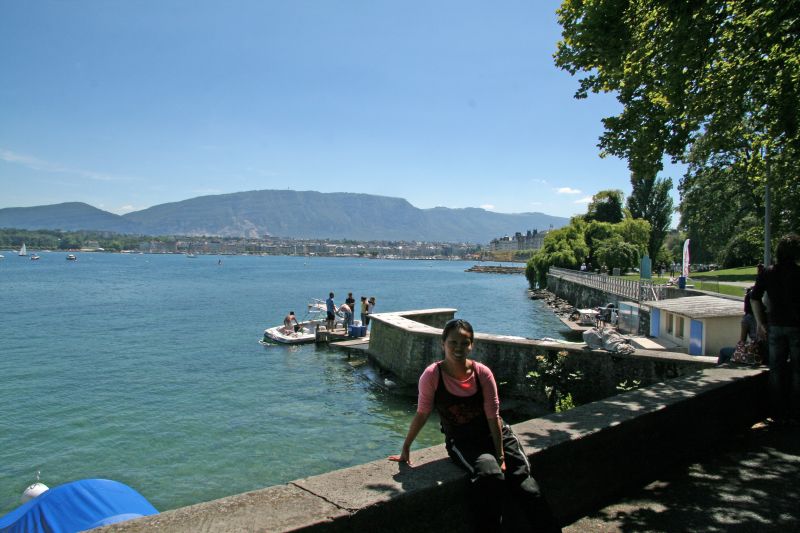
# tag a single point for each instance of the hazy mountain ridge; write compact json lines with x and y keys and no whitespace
{"x":287,"y":213}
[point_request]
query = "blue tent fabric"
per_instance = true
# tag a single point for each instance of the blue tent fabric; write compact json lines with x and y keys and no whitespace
{"x":77,"y":506}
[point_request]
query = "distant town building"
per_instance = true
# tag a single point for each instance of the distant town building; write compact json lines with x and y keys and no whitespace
{"x":532,"y":240}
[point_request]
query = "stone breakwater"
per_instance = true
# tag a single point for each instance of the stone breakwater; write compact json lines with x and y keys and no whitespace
{"x":496,"y":269}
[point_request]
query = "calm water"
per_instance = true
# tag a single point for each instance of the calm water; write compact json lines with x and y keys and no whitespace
{"x":146,"y":368}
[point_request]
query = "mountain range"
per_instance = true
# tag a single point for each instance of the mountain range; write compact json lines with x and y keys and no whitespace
{"x":290,"y":214}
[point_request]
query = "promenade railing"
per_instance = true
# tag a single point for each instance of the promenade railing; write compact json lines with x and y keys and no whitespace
{"x":637,"y":291}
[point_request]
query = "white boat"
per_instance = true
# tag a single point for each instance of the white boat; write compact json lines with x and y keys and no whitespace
{"x":190,"y":255}
{"x":304,"y":333}
{"x":34,"y":257}
{"x":72,"y":257}
{"x":23,"y":251}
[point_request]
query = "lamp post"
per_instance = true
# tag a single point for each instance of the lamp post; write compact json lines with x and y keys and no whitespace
{"x":767,"y":236}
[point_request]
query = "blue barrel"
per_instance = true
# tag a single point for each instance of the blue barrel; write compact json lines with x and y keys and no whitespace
{"x":682,"y":282}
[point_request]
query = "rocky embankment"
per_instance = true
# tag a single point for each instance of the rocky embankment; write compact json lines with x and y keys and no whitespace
{"x":560,"y":306}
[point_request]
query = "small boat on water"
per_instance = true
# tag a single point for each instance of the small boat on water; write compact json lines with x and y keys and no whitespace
{"x":23,"y":251}
{"x":304,"y":332}
{"x":34,"y":257}
{"x":72,"y":257}
{"x":190,"y":255}
{"x":75,"y":506}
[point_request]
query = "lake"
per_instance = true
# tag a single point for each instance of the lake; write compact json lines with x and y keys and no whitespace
{"x":147,"y":369}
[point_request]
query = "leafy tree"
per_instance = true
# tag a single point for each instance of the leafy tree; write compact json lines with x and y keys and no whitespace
{"x":616,"y":253}
{"x":606,"y":206}
{"x":744,"y":249}
{"x":594,"y":233}
{"x":713,"y":83}
{"x":650,"y":200}
{"x":634,"y":231}
{"x":565,"y":247}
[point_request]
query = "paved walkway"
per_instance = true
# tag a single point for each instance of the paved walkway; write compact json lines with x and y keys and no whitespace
{"x":751,"y":485}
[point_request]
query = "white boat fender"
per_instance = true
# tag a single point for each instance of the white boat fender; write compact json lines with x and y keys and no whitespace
{"x":34,"y":491}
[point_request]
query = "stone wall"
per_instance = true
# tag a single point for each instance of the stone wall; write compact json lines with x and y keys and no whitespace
{"x":583,"y":459}
{"x":401,"y":344}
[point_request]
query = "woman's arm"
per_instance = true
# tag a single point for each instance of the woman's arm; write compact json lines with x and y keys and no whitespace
{"x":413,"y":430}
{"x":496,"y":427}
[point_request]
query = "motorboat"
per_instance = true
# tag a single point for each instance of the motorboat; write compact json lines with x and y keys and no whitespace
{"x":72,"y":257}
{"x":75,"y":506}
{"x":302,"y":333}
{"x":34,"y":257}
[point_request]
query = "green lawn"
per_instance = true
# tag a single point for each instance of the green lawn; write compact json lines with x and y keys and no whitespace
{"x":712,"y":281}
{"x":730,"y":274}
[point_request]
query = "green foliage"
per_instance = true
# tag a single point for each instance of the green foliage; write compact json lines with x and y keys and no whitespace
{"x":552,"y":377}
{"x":711,"y":83}
{"x":616,"y":253}
{"x":650,"y":200}
{"x":565,"y":403}
{"x":606,"y":206}
{"x":565,"y":247}
{"x":745,"y":248}
{"x":635,"y":231}
{"x":632,"y":385}
{"x":65,"y":240}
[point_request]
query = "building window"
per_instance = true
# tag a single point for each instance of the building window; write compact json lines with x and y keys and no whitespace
{"x":668,"y":319}
{"x":679,"y":327}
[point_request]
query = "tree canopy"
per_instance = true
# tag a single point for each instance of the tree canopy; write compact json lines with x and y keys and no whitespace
{"x":711,"y":83}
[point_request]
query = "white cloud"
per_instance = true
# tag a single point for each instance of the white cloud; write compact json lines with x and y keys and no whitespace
{"x":488,"y":207}
{"x":584,"y":200}
{"x":126,"y":209}
{"x":46,"y":166}
{"x":568,"y":190}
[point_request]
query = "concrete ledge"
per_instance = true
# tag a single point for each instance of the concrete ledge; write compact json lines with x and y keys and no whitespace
{"x":583,"y":458}
{"x":407,"y":342}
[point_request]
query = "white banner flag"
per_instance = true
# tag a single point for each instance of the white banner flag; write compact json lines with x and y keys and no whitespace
{"x":685,"y":269}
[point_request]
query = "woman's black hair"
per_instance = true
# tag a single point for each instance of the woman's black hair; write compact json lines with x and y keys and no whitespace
{"x":788,"y":250}
{"x":457,"y":323}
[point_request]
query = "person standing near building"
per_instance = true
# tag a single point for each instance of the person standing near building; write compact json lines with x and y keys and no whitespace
{"x":781,"y":283}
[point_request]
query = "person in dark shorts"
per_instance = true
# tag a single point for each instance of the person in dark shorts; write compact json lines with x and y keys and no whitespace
{"x":464,"y":393}
{"x":330,"y":309}
{"x":781,"y":283}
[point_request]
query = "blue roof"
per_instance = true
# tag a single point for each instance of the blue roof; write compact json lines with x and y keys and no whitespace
{"x":77,"y":506}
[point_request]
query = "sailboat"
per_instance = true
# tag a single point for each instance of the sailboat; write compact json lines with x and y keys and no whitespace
{"x":23,"y":251}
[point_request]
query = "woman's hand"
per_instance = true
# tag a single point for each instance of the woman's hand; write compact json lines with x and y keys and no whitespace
{"x":404,"y":457}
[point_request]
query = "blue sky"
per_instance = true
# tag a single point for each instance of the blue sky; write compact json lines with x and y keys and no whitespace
{"x":128,"y":104}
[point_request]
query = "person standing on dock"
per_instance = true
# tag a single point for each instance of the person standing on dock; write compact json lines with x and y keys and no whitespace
{"x":330,"y":307}
{"x":347,"y":311}
{"x":370,"y":308}
{"x":364,"y":307}
{"x":464,"y":393}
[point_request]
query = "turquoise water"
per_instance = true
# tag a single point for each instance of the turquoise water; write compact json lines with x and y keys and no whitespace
{"x":146,"y":369}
